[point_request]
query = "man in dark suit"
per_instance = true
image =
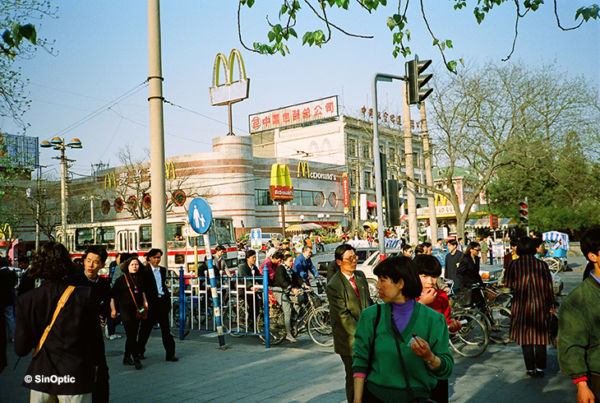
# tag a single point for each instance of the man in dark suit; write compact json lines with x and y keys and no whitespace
{"x":159,"y":304}
{"x":348,"y":295}
{"x":94,"y":259}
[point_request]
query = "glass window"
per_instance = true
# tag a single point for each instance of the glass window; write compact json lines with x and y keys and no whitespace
{"x":175,"y":236}
{"x":307,"y":198}
{"x":367,"y":180}
{"x":84,"y":237}
{"x":366,"y":148}
{"x":352,"y":147}
{"x":353,"y":178}
{"x":106,"y":237}
{"x":145,"y":236}
{"x":223,"y":230}
{"x":263,"y":198}
{"x":392,"y":155}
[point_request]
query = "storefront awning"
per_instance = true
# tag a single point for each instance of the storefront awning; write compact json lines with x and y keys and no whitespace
{"x":303,"y":227}
{"x":484,"y":222}
{"x":371,"y":204}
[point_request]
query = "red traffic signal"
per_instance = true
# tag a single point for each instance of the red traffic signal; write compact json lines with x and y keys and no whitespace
{"x":523,"y":212}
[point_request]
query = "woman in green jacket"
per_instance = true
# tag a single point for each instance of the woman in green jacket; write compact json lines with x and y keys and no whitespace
{"x":400,"y":347}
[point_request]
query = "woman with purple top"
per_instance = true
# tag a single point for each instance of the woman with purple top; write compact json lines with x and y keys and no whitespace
{"x":400,"y":346}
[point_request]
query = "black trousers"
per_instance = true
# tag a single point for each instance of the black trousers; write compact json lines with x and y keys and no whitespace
{"x":132,"y":344}
{"x":101,"y":391}
{"x":3,"y":361}
{"x":440,"y":392}
{"x":535,"y":356}
{"x":347,"y":360}
{"x":158,"y":312}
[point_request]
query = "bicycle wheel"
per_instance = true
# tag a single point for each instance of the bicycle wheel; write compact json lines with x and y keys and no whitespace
{"x":472,"y":339}
{"x":239,"y":320}
{"x":276,"y":326}
{"x":499,"y":330}
{"x":319,"y":327}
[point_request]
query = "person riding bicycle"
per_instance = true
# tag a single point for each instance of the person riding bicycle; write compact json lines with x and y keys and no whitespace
{"x":286,"y":283}
{"x":303,"y":265}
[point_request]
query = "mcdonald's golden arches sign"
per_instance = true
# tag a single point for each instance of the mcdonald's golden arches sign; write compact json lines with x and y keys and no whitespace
{"x":281,"y":183}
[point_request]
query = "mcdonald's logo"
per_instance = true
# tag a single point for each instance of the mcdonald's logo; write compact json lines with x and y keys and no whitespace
{"x":170,"y":170}
{"x":6,"y":231}
{"x":281,"y":183}
{"x":110,"y":181}
{"x":303,"y":170}
{"x":230,"y":91}
{"x":440,"y":200}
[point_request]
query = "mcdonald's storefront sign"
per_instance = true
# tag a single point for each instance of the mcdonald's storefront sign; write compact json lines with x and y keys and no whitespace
{"x":170,"y":170}
{"x":281,"y":183}
{"x":110,"y":181}
{"x":230,"y":91}
{"x":303,"y":171}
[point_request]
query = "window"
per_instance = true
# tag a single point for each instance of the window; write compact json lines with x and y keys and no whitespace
{"x":367,"y":180}
{"x":84,"y":237}
{"x":308,"y":198}
{"x":145,"y":236}
{"x":106,"y":237}
{"x":263,"y":198}
{"x":366,"y":151}
{"x":353,"y":178}
{"x":392,"y":155}
{"x":352,"y":148}
{"x":223,"y":229}
{"x":175,"y":236}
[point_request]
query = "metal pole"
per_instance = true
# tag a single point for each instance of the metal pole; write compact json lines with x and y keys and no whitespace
{"x":527,"y":203}
{"x":413,"y":235}
{"x":377,"y":167}
{"x":230,"y":120}
{"x":213,"y":291}
{"x":283,"y":219}
{"x":356,"y":196}
{"x":157,"y":146}
{"x":433,"y":226}
{"x":63,"y":194}
{"x":92,"y":209}
{"x":37,"y":210}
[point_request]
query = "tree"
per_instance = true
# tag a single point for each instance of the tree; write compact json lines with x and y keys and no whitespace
{"x":497,"y":117}
{"x":18,"y":40}
{"x":398,"y":23}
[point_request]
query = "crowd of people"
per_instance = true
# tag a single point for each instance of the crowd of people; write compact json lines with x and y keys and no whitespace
{"x":60,"y":321}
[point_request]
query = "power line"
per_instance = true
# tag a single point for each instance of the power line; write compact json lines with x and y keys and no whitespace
{"x":204,"y":116}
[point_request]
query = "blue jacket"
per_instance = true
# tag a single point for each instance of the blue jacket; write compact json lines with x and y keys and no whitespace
{"x":302,"y":266}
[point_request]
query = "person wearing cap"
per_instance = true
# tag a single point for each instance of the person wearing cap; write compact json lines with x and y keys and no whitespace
{"x":285,"y":248}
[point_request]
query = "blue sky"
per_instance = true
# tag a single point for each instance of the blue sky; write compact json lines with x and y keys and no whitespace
{"x":101,"y":53}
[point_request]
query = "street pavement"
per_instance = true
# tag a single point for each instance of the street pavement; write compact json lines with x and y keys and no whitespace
{"x":303,"y":372}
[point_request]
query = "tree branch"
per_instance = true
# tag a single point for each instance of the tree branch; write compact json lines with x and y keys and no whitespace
{"x":558,"y":20}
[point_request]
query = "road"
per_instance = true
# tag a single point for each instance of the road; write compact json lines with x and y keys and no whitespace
{"x":301,"y":372}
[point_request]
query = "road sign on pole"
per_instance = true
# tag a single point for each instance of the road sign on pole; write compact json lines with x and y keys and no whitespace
{"x":200,"y":215}
{"x":256,"y":238}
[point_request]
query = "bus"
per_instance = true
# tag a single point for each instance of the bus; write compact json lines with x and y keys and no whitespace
{"x":135,"y":236}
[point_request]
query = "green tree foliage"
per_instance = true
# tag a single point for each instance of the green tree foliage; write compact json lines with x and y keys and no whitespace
{"x":555,"y":162}
{"x":398,"y":22}
{"x":18,"y":40}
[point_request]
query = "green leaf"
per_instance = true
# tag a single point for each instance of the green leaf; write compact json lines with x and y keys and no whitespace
{"x":283,"y":10}
{"x":292,"y":32}
{"x":435,"y":42}
{"x":479,"y":16}
{"x":587,"y":13}
{"x":449,"y":43}
{"x":271,"y":36}
{"x":7,"y":38}
{"x":451,"y":65}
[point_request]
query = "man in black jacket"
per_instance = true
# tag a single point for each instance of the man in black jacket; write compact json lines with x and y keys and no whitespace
{"x":159,"y":304}
{"x":94,"y":259}
{"x":452,"y":259}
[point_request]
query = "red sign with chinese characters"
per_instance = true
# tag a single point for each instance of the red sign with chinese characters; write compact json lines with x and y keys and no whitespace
{"x":346,"y":190}
{"x":493,"y":221}
{"x":294,"y":114}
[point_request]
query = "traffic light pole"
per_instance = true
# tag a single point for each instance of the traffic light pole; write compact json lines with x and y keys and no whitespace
{"x":413,"y":233}
{"x":377,"y":168}
{"x":527,"y":203}
{"x":433,"y":226}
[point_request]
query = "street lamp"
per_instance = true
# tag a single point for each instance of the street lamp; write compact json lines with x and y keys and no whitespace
{"x":59,"y":144}
{"x":91,"y":199}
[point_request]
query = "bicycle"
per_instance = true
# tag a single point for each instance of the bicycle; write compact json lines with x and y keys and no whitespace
{"x":311,"y":316}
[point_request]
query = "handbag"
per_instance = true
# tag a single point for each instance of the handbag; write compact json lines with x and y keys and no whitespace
{"x":413,"y":399}
{"x":61,"y":303}
{"x":140,"y":313}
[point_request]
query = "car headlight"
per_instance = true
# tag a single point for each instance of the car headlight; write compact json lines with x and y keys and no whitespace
{"x":485,"y":275}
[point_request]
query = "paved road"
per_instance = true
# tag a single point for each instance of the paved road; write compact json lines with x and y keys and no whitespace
{"x":302,"y":372}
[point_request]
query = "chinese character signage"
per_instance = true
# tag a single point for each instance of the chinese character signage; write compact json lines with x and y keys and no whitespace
{"x":293,"y":115}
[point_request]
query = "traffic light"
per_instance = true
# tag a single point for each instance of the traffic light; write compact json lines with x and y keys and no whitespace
{"x":392,"y":202}
{"x":383,"y":172}
{"x":416,"y":80}
{"x":523,"y":212}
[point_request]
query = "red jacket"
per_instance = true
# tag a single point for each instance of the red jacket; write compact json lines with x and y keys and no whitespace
{"x":441,"y":304}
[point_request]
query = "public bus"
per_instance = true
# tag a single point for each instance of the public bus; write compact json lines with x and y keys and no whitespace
{"x":135,"y":236}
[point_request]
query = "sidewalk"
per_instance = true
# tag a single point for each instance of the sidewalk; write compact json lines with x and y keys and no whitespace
{"x":303,"y":372}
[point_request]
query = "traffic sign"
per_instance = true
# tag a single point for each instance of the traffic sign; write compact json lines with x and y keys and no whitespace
{"x":200,"y":215}
{"x":256,"y":238}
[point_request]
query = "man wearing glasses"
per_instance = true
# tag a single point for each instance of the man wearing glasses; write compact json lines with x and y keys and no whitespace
{"x":348,"y":295}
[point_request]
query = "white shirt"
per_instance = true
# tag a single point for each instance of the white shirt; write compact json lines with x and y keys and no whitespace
{"x":348,"y":278}
{"x":156,"y":272}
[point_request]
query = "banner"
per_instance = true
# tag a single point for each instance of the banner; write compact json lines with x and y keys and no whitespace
{"x":346,"y":192}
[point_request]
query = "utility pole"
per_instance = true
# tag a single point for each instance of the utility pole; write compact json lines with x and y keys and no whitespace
{"x":428,"y":174}
{"x":413,"y":235}
{"x":157,"y":141}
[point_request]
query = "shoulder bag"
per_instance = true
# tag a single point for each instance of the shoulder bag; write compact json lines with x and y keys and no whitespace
{"x":61,"y":303}
{"x":140,"y":313}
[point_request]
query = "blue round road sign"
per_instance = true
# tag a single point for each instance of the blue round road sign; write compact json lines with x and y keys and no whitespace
{"x":200,"y":215}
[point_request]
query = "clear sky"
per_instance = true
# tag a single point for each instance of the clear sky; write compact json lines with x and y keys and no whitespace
{"x":101,"y":53}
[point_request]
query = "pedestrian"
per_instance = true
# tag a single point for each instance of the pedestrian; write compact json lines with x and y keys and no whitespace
{"x":407,"y":250}
{"x":286,"y":286}
{"x":220,"y":263}
{"x":94,"y":259}
{"x":451,"y":260}
{"x":114,"y":270}
{"x":348,"y":295}
{"x":60,"y":323}
{"x":579,"y":326}
{"x":271,"y":264}
{"x":249,"y":269}
{"x":7,"y":285}
{"x":9,"y":298}
{"x":129,"y":293}
{"x":483,"y":246}
{"x":401,"y":347}
{"x":303,"y":266}
{"x":511,"y":255}
{"x":26,"y":283}
{"x":531,"y":284}
{"x":467,"y":272}
{"x":154,"y":278}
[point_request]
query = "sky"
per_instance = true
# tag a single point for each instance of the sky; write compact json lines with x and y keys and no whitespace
{"x":92,"y":85}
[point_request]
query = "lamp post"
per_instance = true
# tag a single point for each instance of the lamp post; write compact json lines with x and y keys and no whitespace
{"x":59,"y":144}
{"x":91,"y":199}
